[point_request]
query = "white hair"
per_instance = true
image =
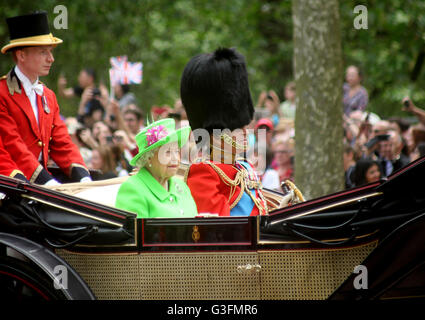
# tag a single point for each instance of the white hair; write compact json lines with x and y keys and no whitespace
{"x":144,"y":158}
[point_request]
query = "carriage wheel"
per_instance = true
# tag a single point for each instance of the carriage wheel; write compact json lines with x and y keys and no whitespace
{"x":21,"y":280}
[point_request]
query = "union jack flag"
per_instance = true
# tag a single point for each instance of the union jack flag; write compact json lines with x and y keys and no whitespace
{"x":125,"y":72}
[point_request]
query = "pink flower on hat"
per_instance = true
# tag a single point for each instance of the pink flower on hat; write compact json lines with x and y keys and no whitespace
{"x":155,"y":134}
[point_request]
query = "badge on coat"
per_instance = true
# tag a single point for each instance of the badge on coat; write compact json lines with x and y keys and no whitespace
{"x":45,"y":105}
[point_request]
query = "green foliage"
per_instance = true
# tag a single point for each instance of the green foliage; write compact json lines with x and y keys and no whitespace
{"x":387,"y":51}
{"x":165,"y":34}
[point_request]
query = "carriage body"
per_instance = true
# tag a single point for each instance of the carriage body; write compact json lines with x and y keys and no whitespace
{"x":307,"y":251}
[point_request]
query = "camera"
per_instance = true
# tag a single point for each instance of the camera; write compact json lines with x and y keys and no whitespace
{"x":117,"y":138}
{"x":406,"y":103}
{"x":376,"y":139}
{"x":96,"y":92}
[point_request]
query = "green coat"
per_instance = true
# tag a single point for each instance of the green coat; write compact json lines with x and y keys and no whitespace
{"x":144,"y":195}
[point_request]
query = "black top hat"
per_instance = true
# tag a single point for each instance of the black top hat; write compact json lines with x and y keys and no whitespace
{"x":215,"y":91}
{"x":29,"y":30}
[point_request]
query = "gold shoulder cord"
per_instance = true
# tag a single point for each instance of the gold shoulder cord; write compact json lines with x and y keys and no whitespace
{"x":240,"y":179}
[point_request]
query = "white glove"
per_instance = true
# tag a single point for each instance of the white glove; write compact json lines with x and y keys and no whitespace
{"x":86,"y":179}
{"x":52,"y":182}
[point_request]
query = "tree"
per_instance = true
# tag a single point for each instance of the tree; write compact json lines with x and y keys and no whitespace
{"x":318,"y":75}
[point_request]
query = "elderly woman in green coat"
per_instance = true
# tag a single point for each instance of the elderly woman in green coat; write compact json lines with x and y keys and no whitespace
{"x":155,"y":192}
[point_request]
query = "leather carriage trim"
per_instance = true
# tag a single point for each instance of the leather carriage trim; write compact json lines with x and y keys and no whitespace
{"x":325,"y":198}
{"x":328,"y":207}
{"x":375,"y":242}
{"x":125,"y":245}
{"x":264,"y":242}
{"x":409,"y":166}
{"x":68,"y":199}
{"x":91,"y":253}
{"x":209,"y":244}
{"x":73,"y":211}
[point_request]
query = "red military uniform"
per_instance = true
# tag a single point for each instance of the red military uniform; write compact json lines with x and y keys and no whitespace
{"x":225,"y":189}
{"x":24,"y":139}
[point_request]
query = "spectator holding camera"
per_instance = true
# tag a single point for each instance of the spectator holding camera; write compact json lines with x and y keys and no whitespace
{"x":93,"y":100}
{"x":389,"y":152}
{"x":269,"y":101}
{"x":410,"y":107}
{"x":86,"y":80}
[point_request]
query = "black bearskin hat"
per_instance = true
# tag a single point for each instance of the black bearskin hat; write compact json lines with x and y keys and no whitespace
{"x":215,"y":92}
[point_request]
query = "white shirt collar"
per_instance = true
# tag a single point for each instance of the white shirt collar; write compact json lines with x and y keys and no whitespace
{"x":26,"y":83}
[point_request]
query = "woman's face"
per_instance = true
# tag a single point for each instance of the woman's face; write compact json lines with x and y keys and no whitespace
{"x":103,"y":135}
{"x":373,"y":174}
{"x":283,"y":154}
{"x":96,"y":160}
{"x":352,"y":76}
{"x":165,"y":162}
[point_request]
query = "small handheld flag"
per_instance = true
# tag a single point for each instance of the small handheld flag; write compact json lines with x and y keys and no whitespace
{"x":125,"y":72}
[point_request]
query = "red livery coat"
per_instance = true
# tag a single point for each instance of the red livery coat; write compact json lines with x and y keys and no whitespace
{"x":24,"y":139}
{"x":210,"y":191}
{"x":7,"y":166}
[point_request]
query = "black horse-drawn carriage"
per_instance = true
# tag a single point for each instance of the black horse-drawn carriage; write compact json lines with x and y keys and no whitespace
{"x":363,"y":243}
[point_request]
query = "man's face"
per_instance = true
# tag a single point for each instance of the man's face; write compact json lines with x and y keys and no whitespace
{"x":386,"y":149}
{"x":35,"y":61}
{"x":84,"y":79}
{"x":132,"y":122}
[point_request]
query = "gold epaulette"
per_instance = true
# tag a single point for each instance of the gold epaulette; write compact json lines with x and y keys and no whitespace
{"x":3,"y":77}
{"x":238,"y":181}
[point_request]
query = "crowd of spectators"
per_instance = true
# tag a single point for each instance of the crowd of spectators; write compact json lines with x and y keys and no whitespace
{"x":374,"y":147}
{"x":104,"y":129}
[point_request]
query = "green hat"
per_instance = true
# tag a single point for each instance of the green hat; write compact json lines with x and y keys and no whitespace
{"x":159,"y":133}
